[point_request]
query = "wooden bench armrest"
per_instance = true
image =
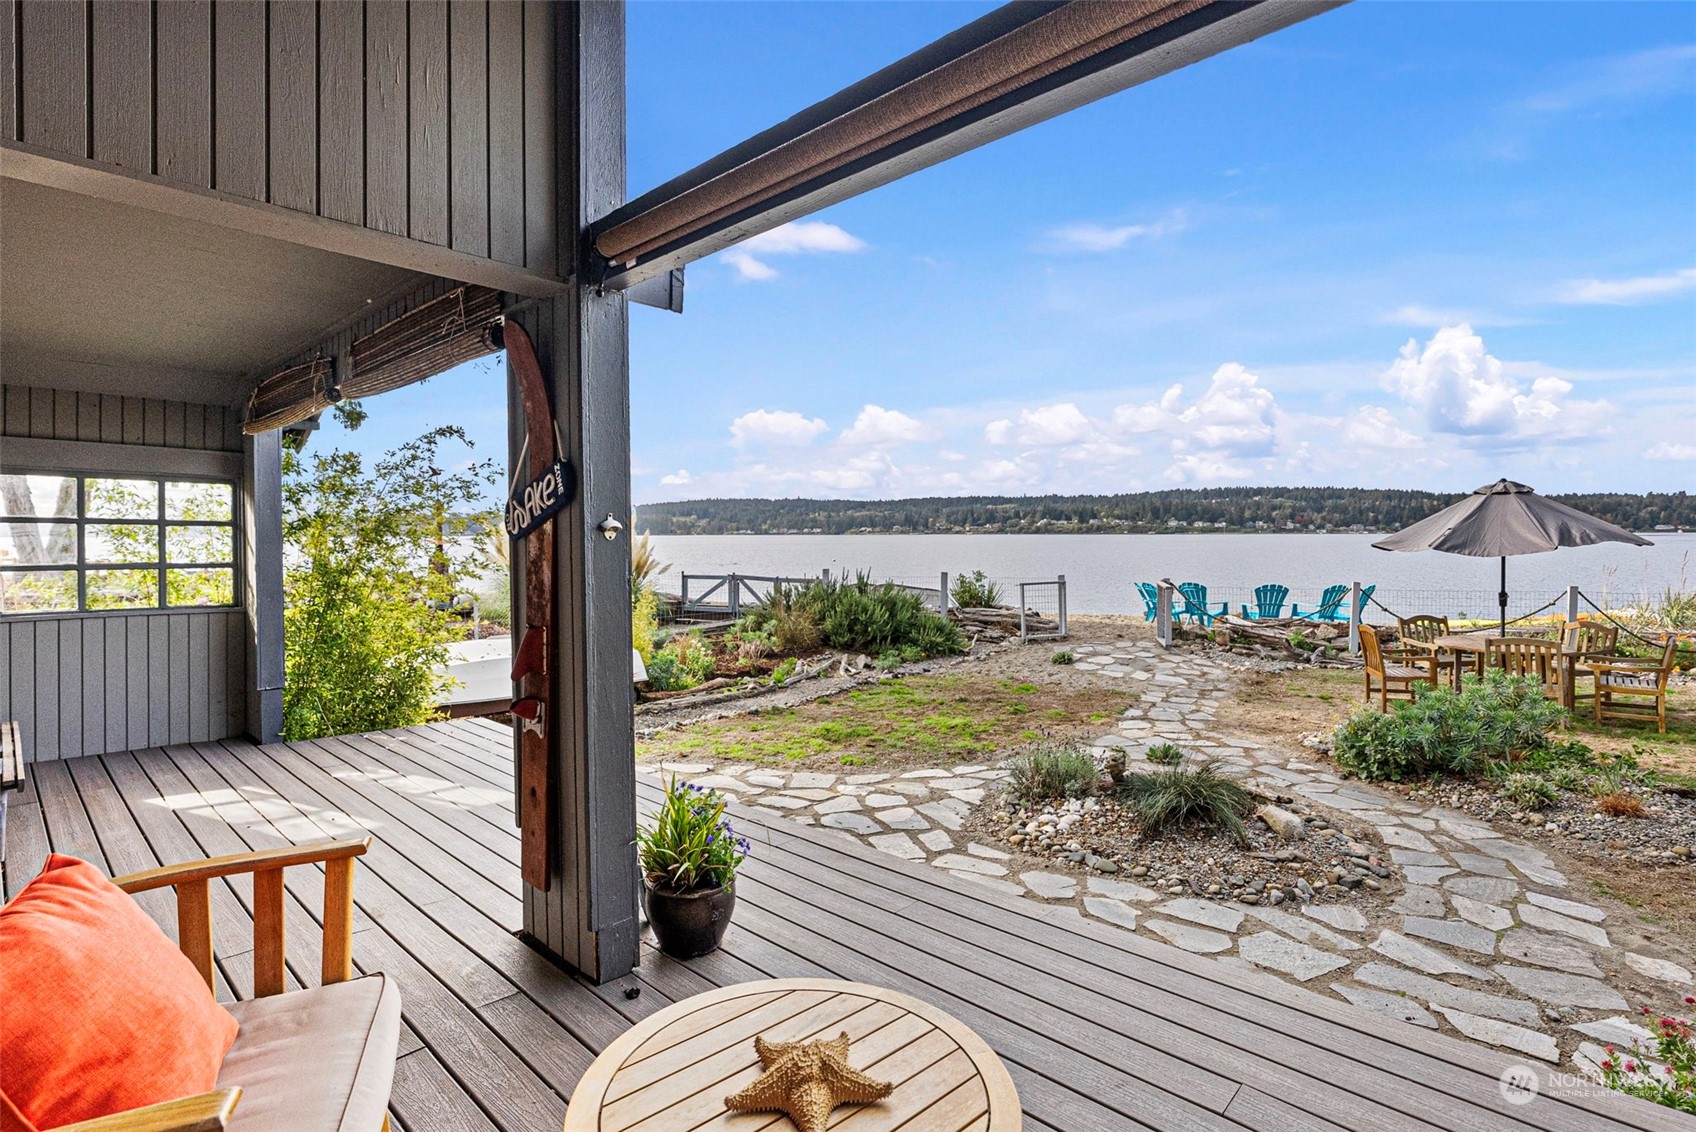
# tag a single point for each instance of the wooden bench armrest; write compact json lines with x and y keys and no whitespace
{"x":191,"y":880}
{"x":1641,"y":666}
{"x":256,"y":861}
{"x":208,"y":1112}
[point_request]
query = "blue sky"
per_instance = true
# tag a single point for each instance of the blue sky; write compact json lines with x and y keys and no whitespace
{"x":1399,"y":244}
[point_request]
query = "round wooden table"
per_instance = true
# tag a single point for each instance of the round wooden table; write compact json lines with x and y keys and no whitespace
{"x":673,"y":1069}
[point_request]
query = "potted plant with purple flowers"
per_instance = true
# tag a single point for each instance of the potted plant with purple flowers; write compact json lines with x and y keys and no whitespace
{"x":689,"y":857}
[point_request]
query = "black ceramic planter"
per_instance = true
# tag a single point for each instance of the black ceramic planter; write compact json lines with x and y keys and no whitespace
{"x":688,"y":924}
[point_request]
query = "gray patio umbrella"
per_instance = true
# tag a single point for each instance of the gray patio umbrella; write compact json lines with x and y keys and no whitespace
{"x":1505,"y":518}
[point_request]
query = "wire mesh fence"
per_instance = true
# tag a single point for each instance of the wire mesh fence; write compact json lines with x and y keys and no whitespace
{"x":1042,"y":610}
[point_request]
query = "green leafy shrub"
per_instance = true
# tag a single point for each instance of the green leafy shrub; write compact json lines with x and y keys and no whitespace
{"x":1173,"y":798}
{"x":857,"y":616}
{"x":1167,"y":754}
{"x":1529,"y":791}
{"x":784,"y":670}
{"x":1448,"y":732}
{"x":684,"y":662}
{"x":645,"y":623}
{"x":1064,"y":656}
{"x":690,"y":844}
{"x":1049,"y":772}
{"x":974,"y":591}
{"x":375,"y":558}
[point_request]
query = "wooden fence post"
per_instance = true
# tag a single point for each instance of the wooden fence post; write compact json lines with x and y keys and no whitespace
{"x":1572,"y":603}
{"x":1062,"y":592}
{"x":943,"y":602}
{"x":1163,"y":614}
{"x":1355,"y":612}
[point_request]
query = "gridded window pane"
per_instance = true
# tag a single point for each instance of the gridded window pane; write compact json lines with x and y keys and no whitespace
{"x":121,"y":499}
{"x":38,"y":544}
{"x":45,"y":497}
{"x":200,"y":587}
{"x":122,"y":542}
{"x":198,"y":544}
{"x":122,"y":589}
{"x":199,"y":502}
{"x":38,"y":591}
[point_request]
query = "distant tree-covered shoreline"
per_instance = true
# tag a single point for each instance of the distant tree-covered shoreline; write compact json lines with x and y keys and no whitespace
{"x":1185,"y":509}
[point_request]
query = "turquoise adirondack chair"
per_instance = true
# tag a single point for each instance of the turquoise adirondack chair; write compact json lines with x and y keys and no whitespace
{"x":1195,"y":603}
{"x":1150,"y":600}
{"x":1268,"y":603}
{"x":1331,"y":604}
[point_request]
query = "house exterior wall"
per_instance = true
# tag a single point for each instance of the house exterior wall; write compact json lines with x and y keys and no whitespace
{"x":427,"y":120}
{"x":88,"y":683}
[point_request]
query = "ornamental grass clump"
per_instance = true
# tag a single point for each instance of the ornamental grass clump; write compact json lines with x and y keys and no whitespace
{"x":691,"y":844}
{"x":1662,"y":1070}
{"x":1174,"y":798}
{"x":1050,"y":772}
{"x":1444,"y":732}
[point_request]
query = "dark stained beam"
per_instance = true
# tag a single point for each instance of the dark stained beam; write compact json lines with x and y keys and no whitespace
{"x":1021,"y":64}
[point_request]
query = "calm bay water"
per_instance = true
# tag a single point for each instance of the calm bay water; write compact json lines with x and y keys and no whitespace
{"x":1101,"y":569}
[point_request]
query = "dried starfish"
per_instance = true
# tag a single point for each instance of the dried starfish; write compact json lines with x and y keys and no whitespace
{"x":807,"y":1080}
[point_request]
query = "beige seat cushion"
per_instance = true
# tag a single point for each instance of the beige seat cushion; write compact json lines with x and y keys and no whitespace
{"x":317,"y":1060}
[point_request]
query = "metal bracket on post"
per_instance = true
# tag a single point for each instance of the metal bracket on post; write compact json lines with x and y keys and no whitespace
{"x":1163,"y":613}
{"x":1355,"y":614}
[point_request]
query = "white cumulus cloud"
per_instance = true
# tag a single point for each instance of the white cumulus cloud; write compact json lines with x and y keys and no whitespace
{"x":764,"y":426}
{"x":1048,"y":426}
{"x":1667,"y":450}
{"x":876,"y":426}
{"x":798,"y":237}
{"x":1090,"y":237}
{"x":678,"y":478}
{"x":1624,"y":292}
{"x":1462,"y":389}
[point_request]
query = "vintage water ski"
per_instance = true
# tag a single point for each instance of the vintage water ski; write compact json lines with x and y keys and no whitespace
{"x":530,"y":518}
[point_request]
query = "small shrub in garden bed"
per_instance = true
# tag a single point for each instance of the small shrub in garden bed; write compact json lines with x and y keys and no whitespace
{"x":974,"y":591}
{"x":1528,"y":791}
{"x":1447,"y":732}
{"x":857,"y":616}
{"x":1166,"y":754}
{"x":1049,"y":772}
{"x":1168,"y":800}
{"x":1671,"y":1083}
{"x":1064,"y":656}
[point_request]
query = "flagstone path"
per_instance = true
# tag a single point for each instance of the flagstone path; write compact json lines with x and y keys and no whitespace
{"x":1487,"y":935}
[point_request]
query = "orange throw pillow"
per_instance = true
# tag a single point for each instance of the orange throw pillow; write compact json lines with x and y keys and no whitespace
{"x":99,"y":1010}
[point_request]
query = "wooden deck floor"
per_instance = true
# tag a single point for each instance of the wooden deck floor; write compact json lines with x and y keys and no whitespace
{"x":1101,"y":1029}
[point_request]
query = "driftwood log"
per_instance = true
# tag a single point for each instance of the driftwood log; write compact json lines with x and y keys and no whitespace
{"x":998,"y":622}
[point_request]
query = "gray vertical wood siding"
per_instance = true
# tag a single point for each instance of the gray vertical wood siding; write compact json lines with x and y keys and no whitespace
{"x":424,"y":119}
{"x":60,"y":414}
{"x":90,"y":683}
{"x":100,"y":682}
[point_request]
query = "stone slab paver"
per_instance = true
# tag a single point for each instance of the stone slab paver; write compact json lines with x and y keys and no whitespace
{"x":1435,"y":990}
{"x":1545,"y":950}
{"x":1338,"y":916}
{"x":1488,"y":916}
{"x":1396,"y":1006}
{"x":1188,"y":937}
{"x":1298,"y":960}
{"x":852,"y":823}
{"x":1533,"y":916}
{"x":1567,"y":907}
{"x":1050,"y":886}
{"x":1660,"y":969}
{"x":960,"y":863}
{"x":1418,"y":900}
{"x":897,"y":845}
{"x":1122,"y":890}
{"x":1467,"y":937}
{"x":1498,"y":1033}
{"x":1204,"y":912}
{"x":1492,"y":890}
{"x":1298,"y":927}
{"x":1560,"y":988}
{"x":937,"y":840}
{"x":1113,"y":911}
{"x":1396,"y":946}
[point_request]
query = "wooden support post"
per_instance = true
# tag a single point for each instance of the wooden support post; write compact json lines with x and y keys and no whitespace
{"x":586,"y":916}
{"x":1572,"y":603}
{"x":338,"y":921}
{"x":262,"y":579}
{"x":943,"y":604}
{"x":194,"y":927}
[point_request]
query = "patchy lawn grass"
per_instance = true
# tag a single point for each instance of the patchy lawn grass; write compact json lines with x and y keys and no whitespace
{"x":924,"y":720}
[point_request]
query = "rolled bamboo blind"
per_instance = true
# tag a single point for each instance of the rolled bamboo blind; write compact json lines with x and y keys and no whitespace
{"x":442,"y":333}
{"x":290,"y":396}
